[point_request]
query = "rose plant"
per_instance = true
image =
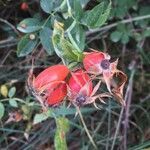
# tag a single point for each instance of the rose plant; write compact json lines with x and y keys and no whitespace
{"x":77,"y":78}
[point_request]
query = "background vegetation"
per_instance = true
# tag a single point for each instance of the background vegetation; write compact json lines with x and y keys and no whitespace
{"x":125,"y":35}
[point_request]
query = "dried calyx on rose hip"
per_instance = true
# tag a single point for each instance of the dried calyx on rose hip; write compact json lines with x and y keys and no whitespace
{"x":98,"y":63}
{"x":80,"y":89}
{"x":49,"y":87}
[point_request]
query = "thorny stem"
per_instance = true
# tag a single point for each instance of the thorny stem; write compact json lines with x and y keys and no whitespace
{"x":86,"y":129}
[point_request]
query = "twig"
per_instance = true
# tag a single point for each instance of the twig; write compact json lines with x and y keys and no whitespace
{"x":127,"y":108}
{"x":5,"y":57}
{"x":122,"y":110}
{"x":86,"y":129}
{"x":117,"y":129}
{"x":8,"y":40}
{"x":109,"y":126}
{"x":123,"y":54}
{"x":99,"y":126}
{"x":9,"y":24}
{"x":115,"y":24}
{"x":145,"y":98}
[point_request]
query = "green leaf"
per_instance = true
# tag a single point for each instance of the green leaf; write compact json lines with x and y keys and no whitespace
{"x":121,"y":27}
{"x":62,"y":124}
{"x":39,"y":118}
{"x":46,"y":5}
{"x":56,"y":112}
{"x":60,"y":134}
{"x":63,"y":47}
{"x":90,"y":17}
{"x":84,"y":2}
{"x":26,"y":45}
{"x":78,"y":35}
{"x":46,"y":40}
{"x":97,"y":16}
{"x":60,"y":140}
{"x":42,"y":116}
{"x":115,"y":36}
{"x":78,"y":11}
{"x":50,"y":5}
{"x":146,"y":33}
{"x":144,"y":10}
{"x":13,"y":102}
{"x":125,"y":39}
{"x":4,"y":90}
{"x":11,"y":92}
{"x":29,"y":25}
{"x":2,"y":110}
{"x":137,"y":36}
{"x":70,"y":111}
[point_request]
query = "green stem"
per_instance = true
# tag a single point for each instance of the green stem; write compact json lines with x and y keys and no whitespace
{"x":86,"y":129}
{"x":17,"y":99}
{"x":46,"y":21}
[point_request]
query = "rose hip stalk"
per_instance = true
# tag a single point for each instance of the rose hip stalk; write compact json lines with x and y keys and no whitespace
{"x":49,"y":86}
{"x":98,"y":63}
{"x":81,"y":90}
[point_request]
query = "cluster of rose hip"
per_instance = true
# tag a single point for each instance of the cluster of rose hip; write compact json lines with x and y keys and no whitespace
{"x":57,"y":83}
